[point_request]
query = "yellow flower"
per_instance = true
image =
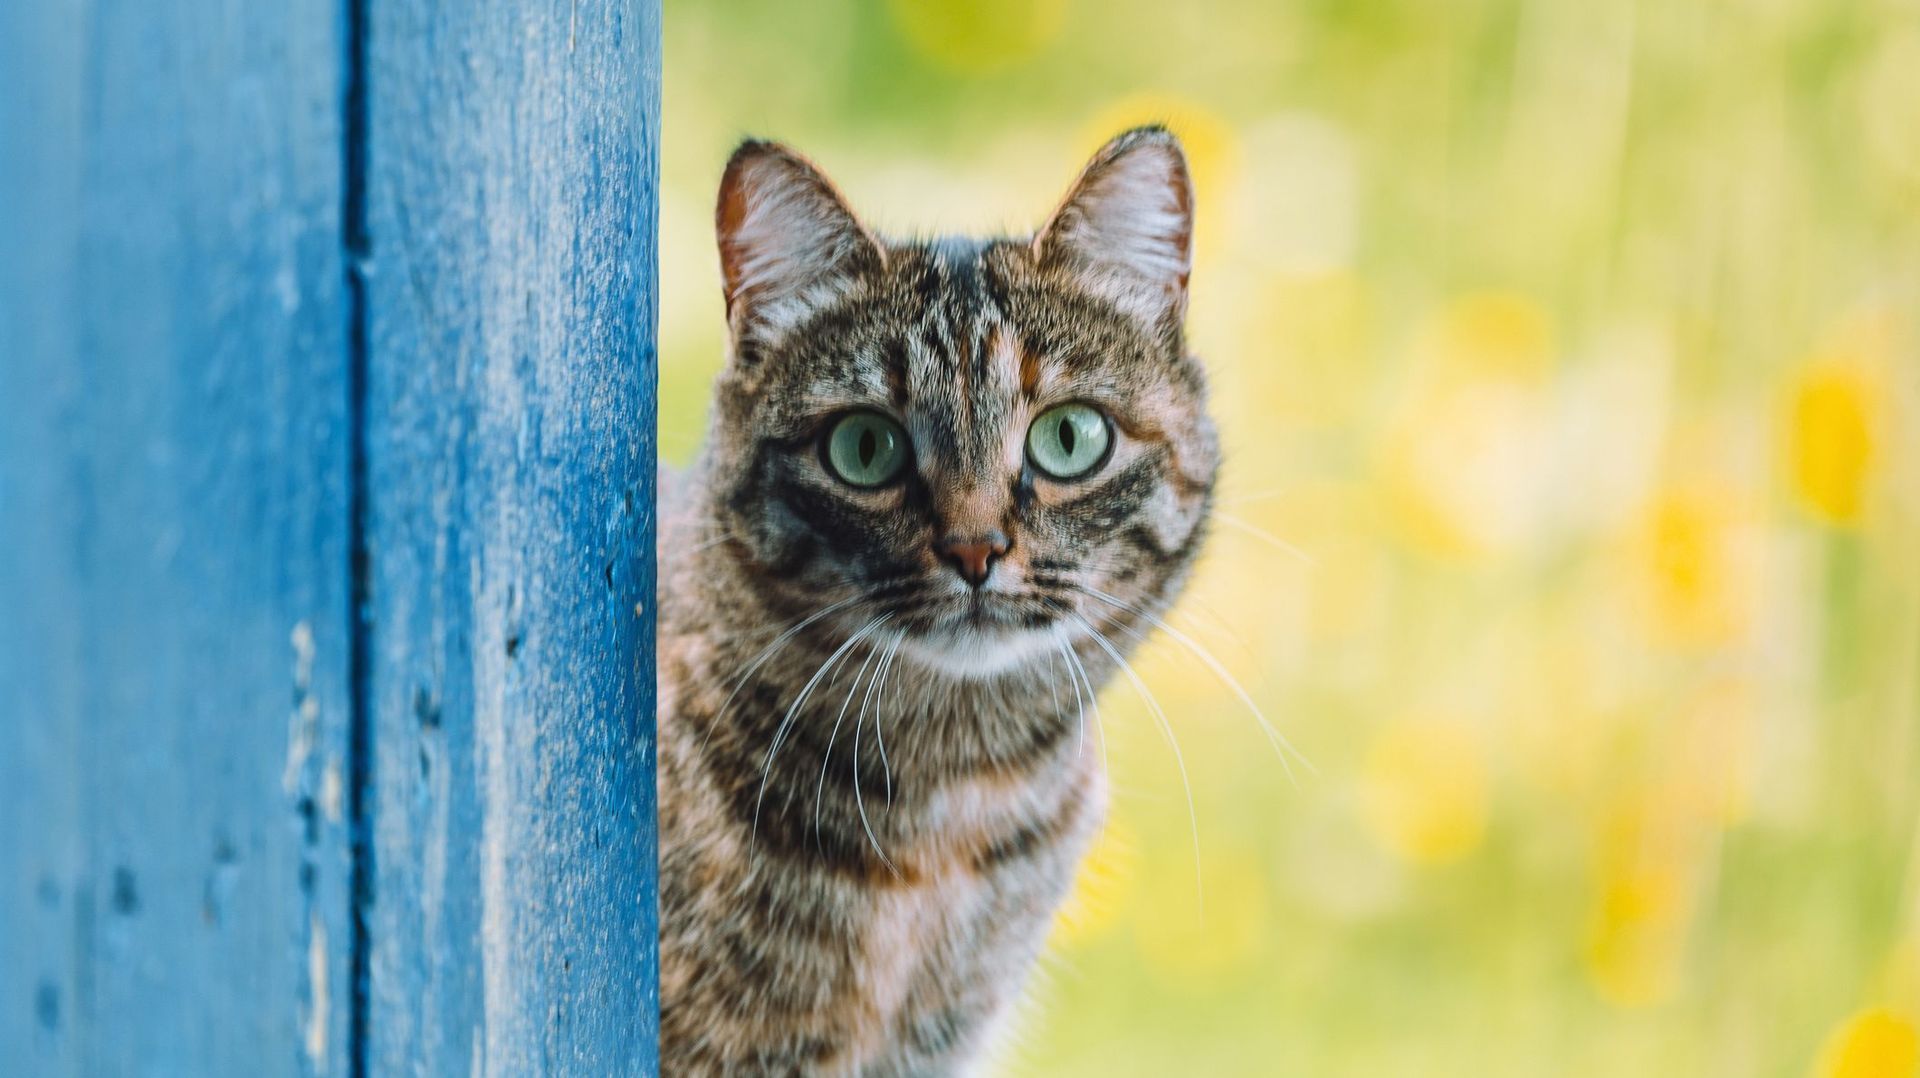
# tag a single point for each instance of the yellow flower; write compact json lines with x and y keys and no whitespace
{"x":1425,"y":793}
{"x":1497,"y":333}
{"x":1833,"y":438}
{"x":979,"y":36}
{"x":1698,"y":564}
{"x":1646,"y":867}
{"x":1875,"y":1043}
{"x":1634,"y":940}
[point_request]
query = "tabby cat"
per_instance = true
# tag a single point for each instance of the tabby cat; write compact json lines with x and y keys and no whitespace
{"x":947,"y":485}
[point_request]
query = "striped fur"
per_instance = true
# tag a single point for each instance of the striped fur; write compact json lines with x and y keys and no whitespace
{"x":876,"y":781}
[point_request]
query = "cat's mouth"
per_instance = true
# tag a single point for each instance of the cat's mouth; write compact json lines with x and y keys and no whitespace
{"x":986,"y":611}
{"x":984,"y":633}
{"x":990,"y":612}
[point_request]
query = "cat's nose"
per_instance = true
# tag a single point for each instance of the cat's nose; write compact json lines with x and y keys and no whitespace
{"x":973,"y":555}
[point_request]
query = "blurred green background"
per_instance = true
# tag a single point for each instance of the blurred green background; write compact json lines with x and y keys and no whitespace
{"x":1565,"y":353}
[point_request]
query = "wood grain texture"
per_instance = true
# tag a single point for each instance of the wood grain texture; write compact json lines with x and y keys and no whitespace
{"x":326,"y":509}
{"x":173,"y":470}
{"x":512,"y":168}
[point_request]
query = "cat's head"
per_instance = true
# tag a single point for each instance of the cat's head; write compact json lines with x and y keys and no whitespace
{"x":987,"y":447}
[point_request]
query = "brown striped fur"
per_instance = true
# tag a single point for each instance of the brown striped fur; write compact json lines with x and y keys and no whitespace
{"x":869,"y":817}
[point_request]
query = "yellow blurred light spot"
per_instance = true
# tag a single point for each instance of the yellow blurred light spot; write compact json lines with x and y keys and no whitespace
{"x":1876,"y":1043}
{"x":1501,"y":333}
{"x":1425,"y":792}
{"x":979,"y":36}
{"x":1644,"y":897}
{"x":1647,"y":871}
{"x":1698,"y":565}
{"x":1633,"y":945}
{"x":1100,"y":890}
{"x":1831,"y":439}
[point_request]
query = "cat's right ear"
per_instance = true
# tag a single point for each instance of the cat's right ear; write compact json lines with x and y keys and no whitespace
{"x":788,"y":243}
{"x":1125,"y":230}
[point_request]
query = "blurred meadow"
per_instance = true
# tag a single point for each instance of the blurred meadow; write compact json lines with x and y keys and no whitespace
{"x":1567,"y":353}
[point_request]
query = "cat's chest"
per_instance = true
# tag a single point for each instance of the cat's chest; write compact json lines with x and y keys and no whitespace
{"x":988,"y":834}
{"x":972,"y":903}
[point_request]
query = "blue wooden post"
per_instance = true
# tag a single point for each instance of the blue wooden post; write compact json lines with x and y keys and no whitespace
{"x":509,"y":308}
{"x":326,"y":388}
{"x":173,"y":540}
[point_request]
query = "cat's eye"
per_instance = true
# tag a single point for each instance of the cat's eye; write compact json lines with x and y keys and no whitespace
{"x":866,"y":449}
{"x":1069,"y":441}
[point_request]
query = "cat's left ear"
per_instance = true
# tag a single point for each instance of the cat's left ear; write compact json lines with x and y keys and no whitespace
{"x":1125,"y":229}
{"x":788,"y":242}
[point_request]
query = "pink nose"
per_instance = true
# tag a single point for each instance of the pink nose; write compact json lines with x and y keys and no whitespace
{"x":973,"y":555}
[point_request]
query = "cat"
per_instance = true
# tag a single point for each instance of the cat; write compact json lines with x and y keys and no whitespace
{"x":946,"y":486}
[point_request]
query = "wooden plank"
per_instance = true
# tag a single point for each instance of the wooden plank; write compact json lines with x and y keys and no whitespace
{"x":510,"y":460}
{"x":173,"y":469}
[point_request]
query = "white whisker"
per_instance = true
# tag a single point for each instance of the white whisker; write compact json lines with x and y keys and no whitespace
{"x":880,"y":680}
{"x":859,"y":801}
{"x":1093,"y":703}
{"x":1264,"y":536}
{"x":1202,"y":615}
{"x":1166,"y":728}
{"x":819,"y":790}
{"x":872,"y":653}
{"x":1281,"y":745}
{"x":786,"y":722}
{"x":711,"y":543}
{"x":1080,"y":700}
{"x":1053,"y":686}
{"x":1267,"y":494}
{"x":767,"y":653}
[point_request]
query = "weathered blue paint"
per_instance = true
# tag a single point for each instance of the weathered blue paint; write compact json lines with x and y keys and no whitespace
{"x":326,"y":383}
{"x":510,"y":316}
{"x":173,"y":539}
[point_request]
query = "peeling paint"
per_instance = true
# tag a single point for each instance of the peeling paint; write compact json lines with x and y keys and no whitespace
{"x":319,"y":995}
{"x":302,"y":640}
{"x":303,"y":726}
{"x":332,"y":791}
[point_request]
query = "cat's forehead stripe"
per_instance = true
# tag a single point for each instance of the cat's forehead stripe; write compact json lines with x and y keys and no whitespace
{"x":960,"y":378}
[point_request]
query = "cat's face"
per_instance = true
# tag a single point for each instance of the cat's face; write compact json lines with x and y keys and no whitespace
{"x":982,"y":448}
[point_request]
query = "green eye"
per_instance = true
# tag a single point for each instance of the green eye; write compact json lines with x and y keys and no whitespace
{"x":866,"y":449}
{"x":1069,"y":441}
